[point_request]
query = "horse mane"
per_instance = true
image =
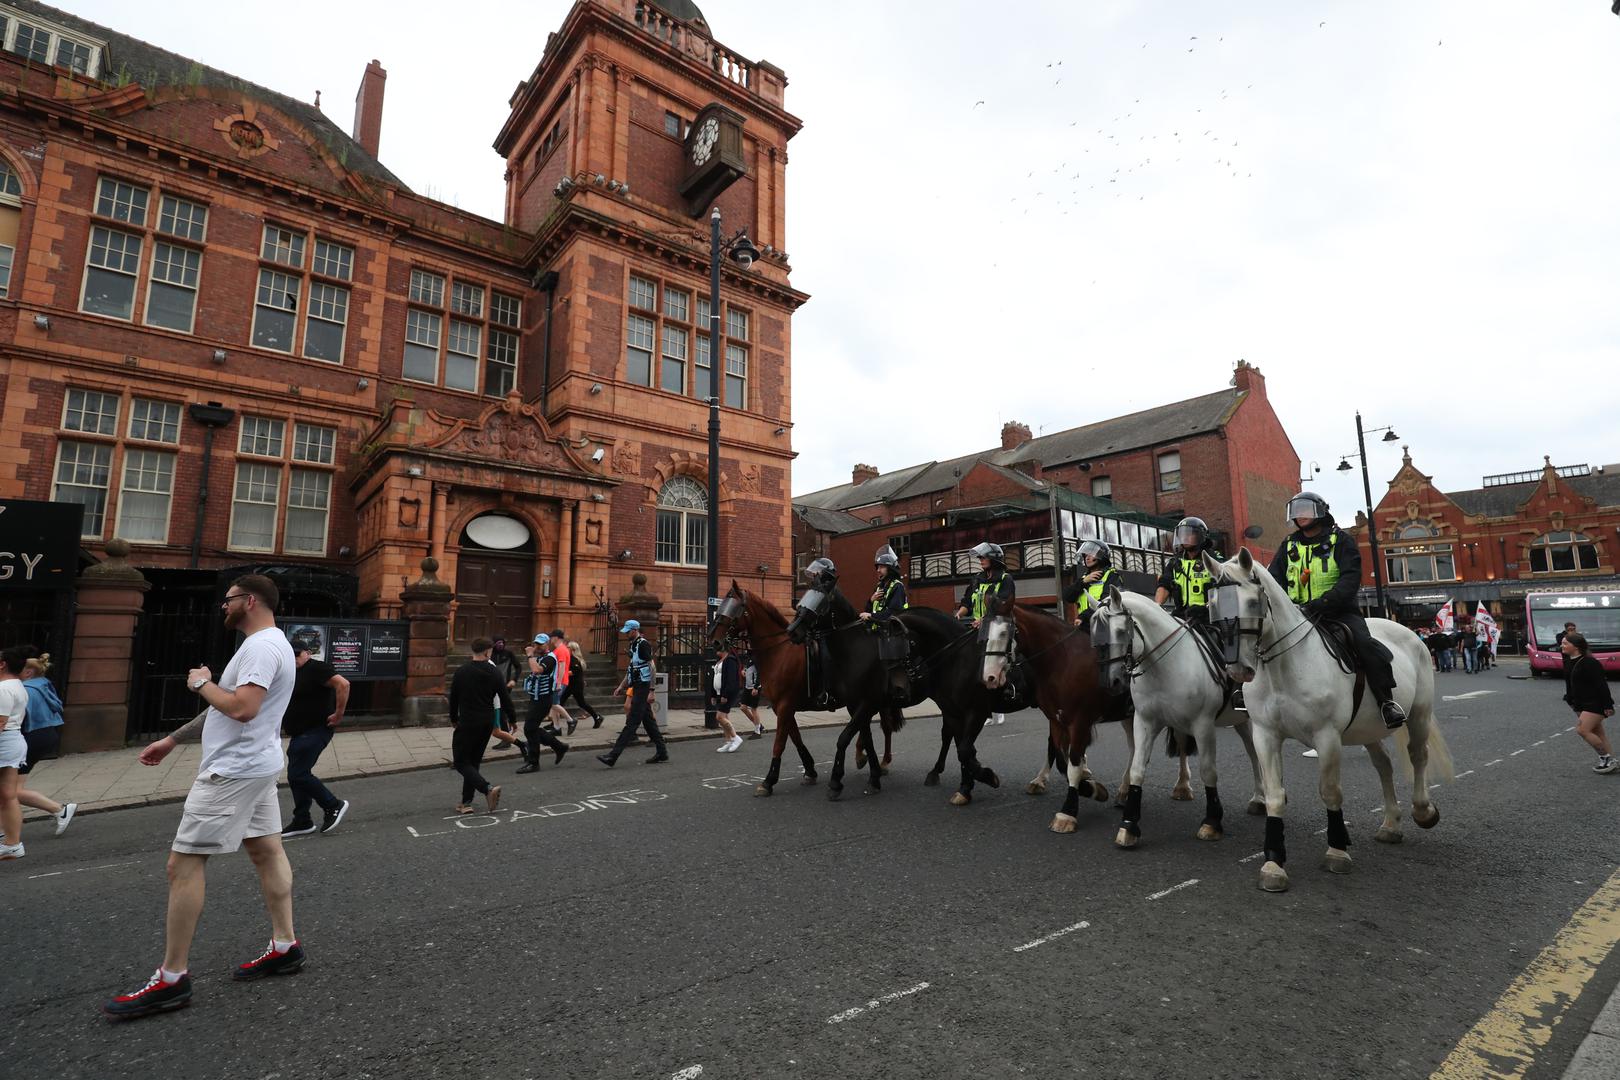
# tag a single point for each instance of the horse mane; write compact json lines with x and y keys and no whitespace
{"x":1139,"y":605}
{"x":758,"y":603}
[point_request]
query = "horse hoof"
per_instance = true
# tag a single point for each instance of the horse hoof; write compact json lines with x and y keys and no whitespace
{"x":872,"y":789}
{"x":1119,"y":796}
{"x":1273,"y":878}
{"x":993,"y":780}
{"x":1100,"y":794}
{"x":1336,"y":862}
{"x":763,"y":791}
{"x":1124,"y":840}
{"x":1063,"y":823}
{"x":1387,"y":836}
{"x":1208,"y":832}
{"x":833,"y":792}
{"x":1181,"y":793}
{"x":808,"y":779}
{"x":931,"y":780}
{"x":1256,"y":808}
{"x":1035,"y":787}
{"x":1426,"y":820}
{"x":960,"y":799}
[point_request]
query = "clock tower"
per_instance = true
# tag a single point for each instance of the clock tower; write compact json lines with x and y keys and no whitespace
{"x":634,"y":126}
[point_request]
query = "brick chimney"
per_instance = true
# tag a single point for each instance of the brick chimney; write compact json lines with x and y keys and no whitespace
{"x":1015,"y":434}
{"x":1247,"y":377}
{"x":368,"y":103}
{"x":862,"y":473}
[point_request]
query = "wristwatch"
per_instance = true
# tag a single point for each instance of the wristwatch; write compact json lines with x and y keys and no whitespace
{"x":198,"y":685}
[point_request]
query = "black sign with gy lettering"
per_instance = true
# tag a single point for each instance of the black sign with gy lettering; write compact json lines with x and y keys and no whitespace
{"x":39,"y":544}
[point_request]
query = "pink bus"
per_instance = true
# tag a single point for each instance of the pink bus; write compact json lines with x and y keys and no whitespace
{"x":1595,"y":613}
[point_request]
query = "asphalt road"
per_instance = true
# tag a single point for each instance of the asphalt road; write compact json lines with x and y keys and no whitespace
{"x":663,"y":922}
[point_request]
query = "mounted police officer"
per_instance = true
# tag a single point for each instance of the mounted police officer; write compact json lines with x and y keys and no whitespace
{"x":1185,"y":580}
{"x":822,"y":577}
{"x":888,"y":600}
{"x":1097,"y":573}
{"x":1320,"y":567}
{"x":991,"y":589}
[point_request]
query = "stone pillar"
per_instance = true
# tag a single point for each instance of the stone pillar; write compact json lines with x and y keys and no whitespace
{"x":110,"y":596}
{"x":565,"y":559}
{"x":642,"y":606}
{"x":427,"y":608}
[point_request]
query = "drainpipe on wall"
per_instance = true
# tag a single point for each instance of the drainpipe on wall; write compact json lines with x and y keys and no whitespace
{"x":546,"y":283}
{"x":211,"y":416}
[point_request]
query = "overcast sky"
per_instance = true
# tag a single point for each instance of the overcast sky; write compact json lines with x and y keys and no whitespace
{"x":1403,"y":206}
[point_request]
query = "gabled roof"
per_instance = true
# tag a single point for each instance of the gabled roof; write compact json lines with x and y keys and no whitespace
{"x":829,"y":521}
{"x":1164,"y":423}
{"x":129,"y":59}
{"x":1505,"y":500}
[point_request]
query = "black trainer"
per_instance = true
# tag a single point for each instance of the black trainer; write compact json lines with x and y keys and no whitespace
{"x":572,"y":724}
{"x":334,"y":818}
{"x":155,"y":997}
{"x":271,"y":962}
{"x":1394,"y":715}
{"x":297,"y":827}
{"x":658,"y":758}
{"x":528,"y":767}
{"x":607,"y":759}
{"x":562,"y":748}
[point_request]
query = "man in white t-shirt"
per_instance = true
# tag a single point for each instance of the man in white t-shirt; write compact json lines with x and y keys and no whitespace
{"x":233,"y":801}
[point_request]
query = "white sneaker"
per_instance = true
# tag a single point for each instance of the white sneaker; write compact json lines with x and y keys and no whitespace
{"x":11,"y":851}
{"x":999,"y":718}
{"x":65,"y":817}
{"x":1309,"y":753}
{"x":725,"y":745}
{"x":733,"y":745}
{"x":1606,"y":764}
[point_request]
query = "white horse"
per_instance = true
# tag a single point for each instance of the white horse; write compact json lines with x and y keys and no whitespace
{"x":1296,"y":689}
{"x":1175,"y":683}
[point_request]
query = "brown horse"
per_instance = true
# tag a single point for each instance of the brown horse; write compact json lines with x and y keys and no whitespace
{"x":781,"y":667}
{"x":1063,"y":670}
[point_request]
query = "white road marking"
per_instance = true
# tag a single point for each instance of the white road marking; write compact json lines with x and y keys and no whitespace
{"x":1517,"y":752}
{"x":691,"y":1072}
{"x":628,"y":797}
{"x":1555,"y":735}
{"x":1465,"y":697}
{"x":1251,"y":858}
{"x":1460,"y":775}
{"x":1538,"y":742}
{"x":850,"y":1014}
{"x":1050,"y":937}
{"x":1177,"y":888}
{"x":1488,"y":764}
{"x":82,"y":869}
{"x":35,"y":877}
{"x":1014,"y":735}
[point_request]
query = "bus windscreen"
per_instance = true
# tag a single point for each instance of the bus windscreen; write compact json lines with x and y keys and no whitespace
{"x":1597,"y":620}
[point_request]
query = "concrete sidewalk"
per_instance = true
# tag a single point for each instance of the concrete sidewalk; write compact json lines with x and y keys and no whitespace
{"x":116,"y":780}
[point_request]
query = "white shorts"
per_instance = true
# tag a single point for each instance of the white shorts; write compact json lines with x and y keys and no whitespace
{"x":13,"y":747}
{"x":222,"y":811}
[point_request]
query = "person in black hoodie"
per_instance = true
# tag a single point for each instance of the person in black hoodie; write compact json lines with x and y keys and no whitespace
{"x":726,"y":690}
{"x":1587,"y":692}
{"x":474,"y":690}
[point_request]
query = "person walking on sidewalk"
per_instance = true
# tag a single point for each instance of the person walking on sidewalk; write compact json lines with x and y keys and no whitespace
{"x":42,"y":731}
{"x":638,"y":679}
{"x":319,"y":697}
{"x":576,"y":685}
{"x":559,"y":681}
{"x":233,"y":801}
{"x":727,"y":688}
{"x":541,"y":687}
{"x":474,"y":688}
{"x":1587,"y":692}
{"x":13,"y":750}
{"x":749,"y":701}
{"x":512,"y":672}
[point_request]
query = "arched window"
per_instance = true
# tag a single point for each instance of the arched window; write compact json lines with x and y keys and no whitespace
{"x":1417,"y":557}
{"x":10,"y":222}
{"x":683,"y":524}
{"x":1559,"y":552}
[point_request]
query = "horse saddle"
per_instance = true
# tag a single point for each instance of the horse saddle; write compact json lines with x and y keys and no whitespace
{"x":1341,"y":645}
{"x":1210,"y":647}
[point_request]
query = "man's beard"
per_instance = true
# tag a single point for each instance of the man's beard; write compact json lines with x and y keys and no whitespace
{"x":234,"y":617}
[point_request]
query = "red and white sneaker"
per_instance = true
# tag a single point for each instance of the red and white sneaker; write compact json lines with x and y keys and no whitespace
{"x":155,"y":997}
{"x":271,"y":962}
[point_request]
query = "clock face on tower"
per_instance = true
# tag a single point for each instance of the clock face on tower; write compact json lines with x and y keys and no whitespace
{"x":703,"y":141}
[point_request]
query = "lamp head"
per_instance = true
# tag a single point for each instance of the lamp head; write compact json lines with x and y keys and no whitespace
{"x":1344,"y":465}
{"x":1390,"y":436}
{"x":743,"y":252}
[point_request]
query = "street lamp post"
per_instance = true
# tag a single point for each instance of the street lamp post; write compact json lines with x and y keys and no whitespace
{"x":743,"y":253}
{"x":1366,"y":490}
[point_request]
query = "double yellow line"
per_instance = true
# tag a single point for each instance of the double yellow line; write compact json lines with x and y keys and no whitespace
{"x":1504,"y":1042}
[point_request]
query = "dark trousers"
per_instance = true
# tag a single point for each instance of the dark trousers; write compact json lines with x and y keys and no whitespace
{"x":533,"y":731}
{"x":640,"y":716}
{"x":303,"y":750}
{"x":467,"y":747}
{"x":1374,"y":658}
{"x":576,"y":690}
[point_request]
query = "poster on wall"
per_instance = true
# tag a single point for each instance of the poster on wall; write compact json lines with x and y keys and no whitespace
{"x":356,"y":648}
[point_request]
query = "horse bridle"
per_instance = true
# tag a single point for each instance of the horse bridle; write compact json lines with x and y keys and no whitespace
{"x":1135,"y":669}
{"x":1237,"y":626}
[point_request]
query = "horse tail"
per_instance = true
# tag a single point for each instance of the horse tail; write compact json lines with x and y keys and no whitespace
{"x":892,"y":720}
{"x":1189,"y":745}
{"x":1440,"y":763}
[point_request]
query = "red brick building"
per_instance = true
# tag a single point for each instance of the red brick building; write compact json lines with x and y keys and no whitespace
{"x":1223,"y":457}
{"x":206,"y":278}
{"x":1547,"y":528}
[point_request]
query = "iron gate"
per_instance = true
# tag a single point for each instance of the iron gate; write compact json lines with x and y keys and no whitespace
{"x":680,"y":656}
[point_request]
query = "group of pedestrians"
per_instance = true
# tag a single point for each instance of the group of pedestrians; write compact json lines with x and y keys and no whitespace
{"x":1466,"y":648}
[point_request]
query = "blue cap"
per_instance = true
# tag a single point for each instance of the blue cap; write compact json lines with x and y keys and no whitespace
{"x":629,"y":625}
{"x":541,"y":639}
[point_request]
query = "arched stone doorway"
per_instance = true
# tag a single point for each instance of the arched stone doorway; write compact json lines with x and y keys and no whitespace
{"x":495,"y":580}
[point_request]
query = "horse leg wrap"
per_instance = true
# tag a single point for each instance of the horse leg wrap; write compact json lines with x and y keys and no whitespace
{"x":1133,"y":806}
{"x":773,"y":773}
{"x":1212,"y":807}
{"x":1338,"y":835}
{"x":1071,"y":802}
{"x":1275,"y":851}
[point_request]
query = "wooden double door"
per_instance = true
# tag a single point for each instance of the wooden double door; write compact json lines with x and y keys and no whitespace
{"x":495,"y":597}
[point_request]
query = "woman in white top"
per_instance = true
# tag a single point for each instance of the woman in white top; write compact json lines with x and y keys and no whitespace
{"x":13,"y":750}
{"x":727,"y":688}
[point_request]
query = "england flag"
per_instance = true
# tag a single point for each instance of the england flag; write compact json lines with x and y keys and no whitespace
{"x":1445,"y":619}
{"x":1487,"y":625}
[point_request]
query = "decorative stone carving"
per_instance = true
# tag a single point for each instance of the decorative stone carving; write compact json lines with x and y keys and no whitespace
{"x":593,"y":532}
{"x":245,"y":134}
{"x":627,"y":459}
{"x":510,"y":431}
{"x":748,"y":480}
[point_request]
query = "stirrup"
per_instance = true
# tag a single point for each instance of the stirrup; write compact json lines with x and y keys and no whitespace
{"x":1386,"y":708}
